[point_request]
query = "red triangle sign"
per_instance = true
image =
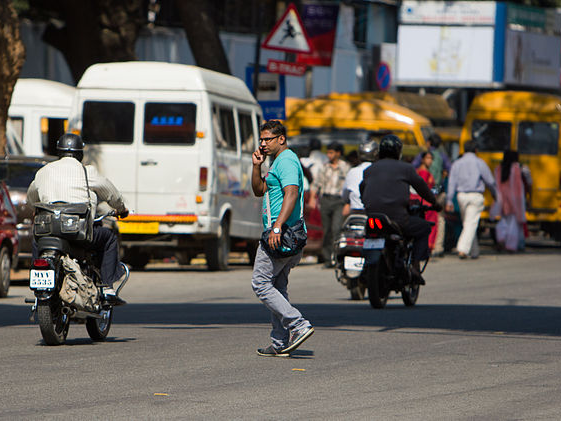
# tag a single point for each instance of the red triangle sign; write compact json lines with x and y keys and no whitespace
{"x":289,"y":34}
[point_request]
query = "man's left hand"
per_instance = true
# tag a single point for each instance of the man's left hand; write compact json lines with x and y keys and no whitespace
{"x":274,"y":240}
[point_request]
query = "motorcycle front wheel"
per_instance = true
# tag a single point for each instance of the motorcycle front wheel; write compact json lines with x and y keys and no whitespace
{"x":99,"y":328}
{"x":377,"y":291}
{"x":53,"y":324}
{"x":409,"y":294}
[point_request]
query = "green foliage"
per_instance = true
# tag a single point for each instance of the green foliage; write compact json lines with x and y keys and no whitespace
{"x":21,"y":6}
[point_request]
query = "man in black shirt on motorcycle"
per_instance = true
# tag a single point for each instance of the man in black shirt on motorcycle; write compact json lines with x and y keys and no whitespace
{"x":386,"y":188}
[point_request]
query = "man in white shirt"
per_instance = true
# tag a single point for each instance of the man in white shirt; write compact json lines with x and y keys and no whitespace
{"x":368,"y":153}
{"x":68,"y":180}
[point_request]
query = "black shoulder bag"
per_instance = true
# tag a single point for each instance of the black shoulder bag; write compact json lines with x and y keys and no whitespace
{"x":293,"y":238}
{"x":73,"y":221}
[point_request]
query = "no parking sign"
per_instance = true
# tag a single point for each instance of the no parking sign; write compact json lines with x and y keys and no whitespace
{"x":383,"y":76}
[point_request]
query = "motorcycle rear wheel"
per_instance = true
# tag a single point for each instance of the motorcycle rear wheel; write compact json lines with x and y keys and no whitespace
{"x":377,"y":292}
{"x":409,"y":294}
{"x":99,"y":328}
{"x":53,"y":324}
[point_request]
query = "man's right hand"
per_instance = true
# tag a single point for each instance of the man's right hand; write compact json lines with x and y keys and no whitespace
{"x":450,"y":208}
{"x":258,"y":157}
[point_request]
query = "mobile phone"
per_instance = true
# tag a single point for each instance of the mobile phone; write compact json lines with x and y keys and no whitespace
{"x":262,"y":150}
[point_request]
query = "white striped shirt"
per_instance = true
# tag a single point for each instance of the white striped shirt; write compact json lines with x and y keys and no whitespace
{"x":64,"y":181}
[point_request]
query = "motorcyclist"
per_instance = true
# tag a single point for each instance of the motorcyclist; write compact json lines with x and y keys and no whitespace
{"x":385,"y":189}
{"x":368,"y":153}
{"x":64,"y":180}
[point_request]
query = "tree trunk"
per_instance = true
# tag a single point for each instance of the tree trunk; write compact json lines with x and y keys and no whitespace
{"x":12,"y":57}
{"x":93,"y":31}
{"x":202,"y":34}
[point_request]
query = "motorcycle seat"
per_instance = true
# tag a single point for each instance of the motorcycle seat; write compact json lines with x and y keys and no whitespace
{"x":57,"y":243}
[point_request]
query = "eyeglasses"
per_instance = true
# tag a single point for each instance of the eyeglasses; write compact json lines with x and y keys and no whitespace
{"x":268,"y":139}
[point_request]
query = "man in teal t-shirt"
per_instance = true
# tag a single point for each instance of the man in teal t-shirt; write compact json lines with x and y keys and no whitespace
{"x":285,"y":171}
{"x":284,"y":187}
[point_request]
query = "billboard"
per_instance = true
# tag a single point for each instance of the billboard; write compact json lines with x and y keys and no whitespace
{"x":530,"y":59}
{"x":448,"y":12}
{"x":320,"y":21}
{"x":444,"y":55}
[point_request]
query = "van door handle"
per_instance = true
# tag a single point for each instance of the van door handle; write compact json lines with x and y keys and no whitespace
{"x":149,"y":162}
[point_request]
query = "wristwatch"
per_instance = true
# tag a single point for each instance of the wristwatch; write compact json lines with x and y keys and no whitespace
{"x":276,"y":230}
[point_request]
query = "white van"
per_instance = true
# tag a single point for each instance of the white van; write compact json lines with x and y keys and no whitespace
{"x":177,"y":141}
{"x":38,"y":114}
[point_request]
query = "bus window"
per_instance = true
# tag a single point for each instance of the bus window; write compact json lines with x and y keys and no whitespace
{"x":491,"y":136}
{"x":538,"y":138}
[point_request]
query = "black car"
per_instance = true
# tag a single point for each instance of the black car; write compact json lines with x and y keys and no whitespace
{"x":18,"y":172}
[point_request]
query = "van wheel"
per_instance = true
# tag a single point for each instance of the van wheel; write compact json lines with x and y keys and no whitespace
{"x":183,"y":257}
{"x":252,"y":251}
{"x":5,"y":267}
{"x":136,"y":259}
{"x":217,"y":250}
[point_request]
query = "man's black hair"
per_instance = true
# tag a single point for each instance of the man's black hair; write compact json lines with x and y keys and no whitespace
{"x":315,"y":144}
{"x":275,"y":127}
{"x":435,"y":140}
{"x":470,"y":146}
{"x":335,"y":146}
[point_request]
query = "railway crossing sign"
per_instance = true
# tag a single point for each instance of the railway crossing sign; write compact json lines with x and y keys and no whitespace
{"x":289,"y":34}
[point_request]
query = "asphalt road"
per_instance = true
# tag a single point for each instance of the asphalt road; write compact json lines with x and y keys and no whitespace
{"x":484,"y":342}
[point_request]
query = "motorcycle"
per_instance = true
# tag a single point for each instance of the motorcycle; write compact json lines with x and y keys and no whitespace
{"x":388,"y":259}
{"x":57,"y":259}
{"x":348,"y":256}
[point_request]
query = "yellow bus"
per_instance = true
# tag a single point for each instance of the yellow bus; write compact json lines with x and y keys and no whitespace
{"x":526,"y":122}
{"x":324,"y":114}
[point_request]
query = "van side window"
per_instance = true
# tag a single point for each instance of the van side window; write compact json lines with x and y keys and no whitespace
{"x":17,"y":124}
{"x":51,"y":130}
{"x":169,"y":123}
{"x":246,"y":132}
{"x":223,"y":120}
{"x":108,"y":122}
{"x":491,"y":135}
{"x":538,"y":138}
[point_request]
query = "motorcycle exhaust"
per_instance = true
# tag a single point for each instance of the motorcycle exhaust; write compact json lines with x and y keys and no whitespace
{"x":67,"y":311}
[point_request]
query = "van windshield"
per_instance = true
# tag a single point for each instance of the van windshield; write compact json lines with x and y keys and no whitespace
{"x":169,"y":123}
{"x":491,"y":136}
{"x":538,"y":138}
{"x":108,"y":122}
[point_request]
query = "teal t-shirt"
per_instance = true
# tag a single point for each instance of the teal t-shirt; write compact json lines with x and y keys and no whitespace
{"x":285,"y":171}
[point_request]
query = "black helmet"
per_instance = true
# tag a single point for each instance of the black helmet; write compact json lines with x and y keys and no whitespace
{"x":368,"y":150}
{"x":70,"y":144}
{"x":390,"y":147}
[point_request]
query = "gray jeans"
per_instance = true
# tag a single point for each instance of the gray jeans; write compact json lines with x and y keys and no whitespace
{"x":270,"y":284}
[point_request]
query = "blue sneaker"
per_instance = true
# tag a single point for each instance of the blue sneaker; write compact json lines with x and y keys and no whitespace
{"x":297,"y":337}
{"x":271,"y":351}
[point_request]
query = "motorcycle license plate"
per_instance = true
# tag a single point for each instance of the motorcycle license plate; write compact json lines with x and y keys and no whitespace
{"x":41,"y":279}
{"x":374,"y":243}
{"x":353,"y":263}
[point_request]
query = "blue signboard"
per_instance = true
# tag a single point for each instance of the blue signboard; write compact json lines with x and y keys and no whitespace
{"x":271,"y":93}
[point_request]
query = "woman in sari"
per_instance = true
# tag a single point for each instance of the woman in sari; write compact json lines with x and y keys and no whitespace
{"x":510,"y":204}
{"x":431,"y":216}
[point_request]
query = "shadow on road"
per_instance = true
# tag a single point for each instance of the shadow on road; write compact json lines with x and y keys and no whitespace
{"x":509,"y":319}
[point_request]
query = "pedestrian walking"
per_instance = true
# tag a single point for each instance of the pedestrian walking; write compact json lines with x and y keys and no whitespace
{"x":510,"y":204}
{"x":430,"y":216}
{"x":328,"y":186}
{"x":468,"y":177}
{"x":282,"y":207}
{"x":439,"y":168}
